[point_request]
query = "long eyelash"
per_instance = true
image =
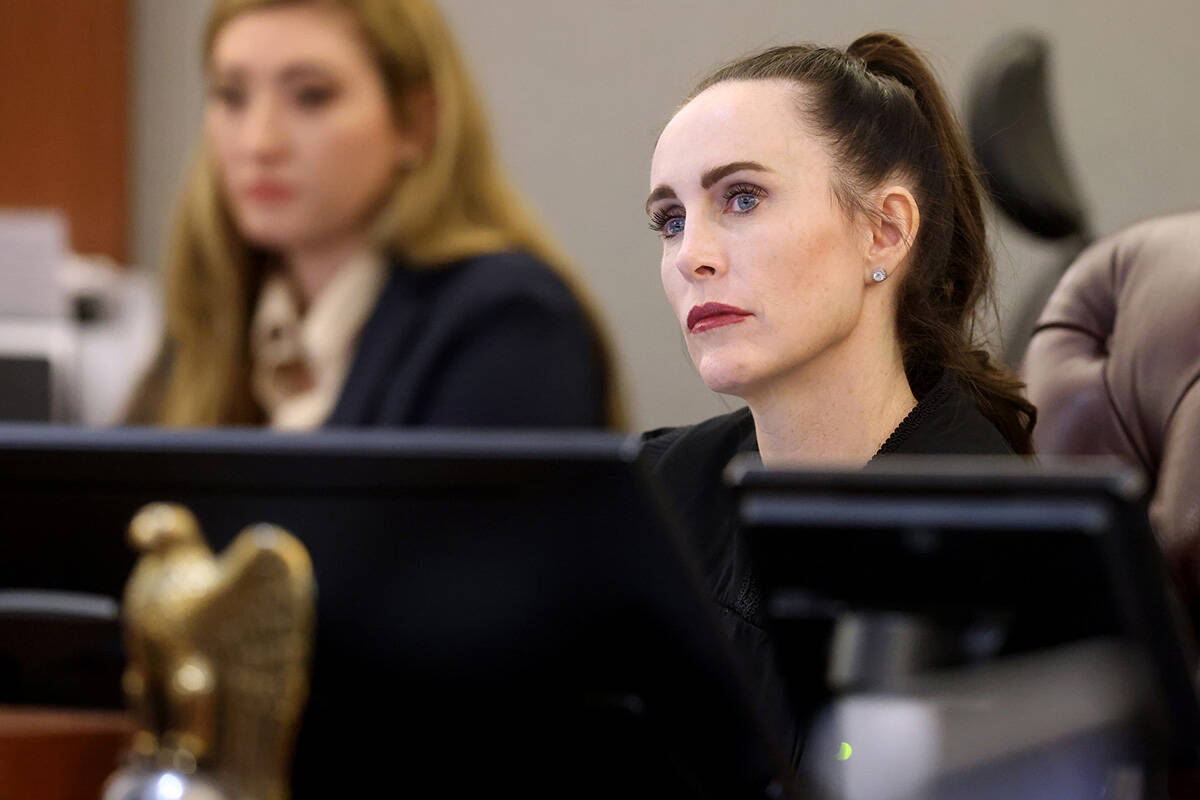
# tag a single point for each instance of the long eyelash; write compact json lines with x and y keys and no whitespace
{"x":659,"y":220}
{"x":743,"y":188}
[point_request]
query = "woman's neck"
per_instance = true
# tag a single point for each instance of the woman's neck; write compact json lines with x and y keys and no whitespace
{"x":826,"y":412}
{"x":311,"y":268}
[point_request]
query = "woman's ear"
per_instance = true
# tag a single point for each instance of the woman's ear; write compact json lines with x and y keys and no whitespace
{"x":893,"y":231}
{"x":416,"y":127}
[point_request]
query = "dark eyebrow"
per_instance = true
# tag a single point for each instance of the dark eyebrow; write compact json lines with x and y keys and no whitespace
{"x":716,"y":173}
{"x":660,"y":193}
{"x":706,"y":180}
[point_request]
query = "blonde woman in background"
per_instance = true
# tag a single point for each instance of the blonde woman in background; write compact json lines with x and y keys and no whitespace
{"x":347,"y":251}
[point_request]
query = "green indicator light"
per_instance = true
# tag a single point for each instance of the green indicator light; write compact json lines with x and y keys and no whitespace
{"x":844,"y":751}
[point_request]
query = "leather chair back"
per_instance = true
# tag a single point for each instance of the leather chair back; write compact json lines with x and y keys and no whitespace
{"x":1114,"y":368}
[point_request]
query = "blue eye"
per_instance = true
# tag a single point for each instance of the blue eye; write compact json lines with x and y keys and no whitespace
{"x":667,"y":223}
{"x":741,"y":198}
{"x":745,"y":202}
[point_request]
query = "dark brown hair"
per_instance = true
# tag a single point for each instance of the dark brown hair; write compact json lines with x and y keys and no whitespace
{"x":883,"y":116}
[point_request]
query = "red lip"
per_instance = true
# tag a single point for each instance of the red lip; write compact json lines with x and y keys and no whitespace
{"x":269,"y":191}
{"x":714,"y":315}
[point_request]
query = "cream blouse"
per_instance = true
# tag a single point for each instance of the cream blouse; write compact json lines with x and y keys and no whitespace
{"x":299,"y":363}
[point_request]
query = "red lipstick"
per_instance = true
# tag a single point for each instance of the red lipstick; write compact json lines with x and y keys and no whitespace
{"x":714,"y":315}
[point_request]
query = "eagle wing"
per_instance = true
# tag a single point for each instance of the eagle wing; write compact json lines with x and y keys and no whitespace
{"x":257,"y":631}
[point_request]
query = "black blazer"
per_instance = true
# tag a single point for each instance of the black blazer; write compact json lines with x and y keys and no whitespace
{"x":495,"y":340}
{"x":689,"y":463}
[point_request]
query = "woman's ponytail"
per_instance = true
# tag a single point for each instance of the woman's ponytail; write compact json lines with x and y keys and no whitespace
{"x":940,"y":324}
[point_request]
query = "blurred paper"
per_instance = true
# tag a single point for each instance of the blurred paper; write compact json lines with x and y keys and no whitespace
{"x":33,"y":245}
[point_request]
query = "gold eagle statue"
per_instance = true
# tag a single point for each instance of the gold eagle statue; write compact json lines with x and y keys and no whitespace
{"x":218,"y":651}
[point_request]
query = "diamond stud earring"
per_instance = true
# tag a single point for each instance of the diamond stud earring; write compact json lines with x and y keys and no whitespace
{"x":879,"y":275}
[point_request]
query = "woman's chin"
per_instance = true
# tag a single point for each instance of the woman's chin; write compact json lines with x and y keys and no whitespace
{"x":266,"y":236}
{"x":723,"y":381}
{"x":273,"y":231}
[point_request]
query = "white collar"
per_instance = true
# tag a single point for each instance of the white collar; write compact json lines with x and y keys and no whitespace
{"x":299,"y":363}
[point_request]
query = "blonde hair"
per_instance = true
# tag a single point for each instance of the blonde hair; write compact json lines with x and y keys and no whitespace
{"x":456,"y":204}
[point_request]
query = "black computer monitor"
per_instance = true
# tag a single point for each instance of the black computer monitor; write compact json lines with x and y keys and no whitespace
{"x":1004,"y":557}
{"x":28,"y":383}
{"x":496,"y":612}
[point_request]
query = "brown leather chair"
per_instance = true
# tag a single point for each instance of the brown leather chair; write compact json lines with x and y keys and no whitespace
{"x":1114,"y":368}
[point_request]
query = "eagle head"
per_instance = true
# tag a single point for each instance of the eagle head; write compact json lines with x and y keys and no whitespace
{"x":160,"y":527}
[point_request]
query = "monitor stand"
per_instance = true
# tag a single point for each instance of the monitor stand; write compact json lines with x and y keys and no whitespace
{"x":1067,"y":722}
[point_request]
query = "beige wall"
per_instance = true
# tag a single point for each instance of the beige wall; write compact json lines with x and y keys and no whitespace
{"x":578,"y":92}
{"x":167,"y":94}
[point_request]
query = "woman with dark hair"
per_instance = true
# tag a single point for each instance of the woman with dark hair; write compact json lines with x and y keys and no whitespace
{"x":824,"y":252}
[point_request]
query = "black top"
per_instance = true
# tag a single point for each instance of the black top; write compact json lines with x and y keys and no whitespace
{"x":690,"y":463}
{"x":496,"y":340}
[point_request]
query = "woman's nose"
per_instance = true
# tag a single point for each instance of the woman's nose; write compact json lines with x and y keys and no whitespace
{"x":264,"y":135}
{"x":699,"y":255}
